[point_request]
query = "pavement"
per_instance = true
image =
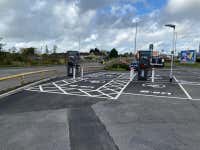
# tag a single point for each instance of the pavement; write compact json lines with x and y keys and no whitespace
{"x":4,"y":72}
{"x":16,"y":82}
{"x":105,"y":111}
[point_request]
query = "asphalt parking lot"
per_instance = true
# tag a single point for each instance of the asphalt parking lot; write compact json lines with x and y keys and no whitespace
{"x":105,"y":111}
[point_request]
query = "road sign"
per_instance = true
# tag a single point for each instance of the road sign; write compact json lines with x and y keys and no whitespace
{"x":188,"y":56}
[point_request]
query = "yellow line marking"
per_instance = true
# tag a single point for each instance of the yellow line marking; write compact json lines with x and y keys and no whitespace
{"x":23,"y":74}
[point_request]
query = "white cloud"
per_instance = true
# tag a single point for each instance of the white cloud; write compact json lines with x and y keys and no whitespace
{"x":183,"y":6}
{"x":39,"y":4}
{"x":67,"y":13}
{"x":92,"y":37}
{"x":105,"y":23}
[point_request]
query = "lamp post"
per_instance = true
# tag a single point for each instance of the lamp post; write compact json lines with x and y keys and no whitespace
{"x":136,"y":30}
{"x":176,"y":36}
{"x":172,"y":52}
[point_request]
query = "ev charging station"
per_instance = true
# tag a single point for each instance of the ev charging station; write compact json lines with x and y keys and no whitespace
{"x":73,"y":63}
{"x":144,"y":65}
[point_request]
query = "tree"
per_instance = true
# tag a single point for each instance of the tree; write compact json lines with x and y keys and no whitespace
{"x":91,"y":51}
{"x":1,"y":45}
{"x":28,"y":51}
{"x":113,"y":53}
{"x":13,"y":49}
{"x":95,"y":51}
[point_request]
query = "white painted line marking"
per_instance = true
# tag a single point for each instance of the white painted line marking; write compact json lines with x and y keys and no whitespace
{"x":67,"y":94}
{"x":116,"y":87}
{"x":104,"y":85}
{"x":85,"y":92}
{"x":156,"y":92}
{"x":121,"y":82}
{"x":60,"y":88}
{"x":41,"y":89}
{"x":189,"y":83}
{"x":65,"y":82}
{"x":91,"y":87}
{"x":186,"y":93}
{"x":106,"y":94}
{"x":106,"y":88}
{"x":124,"y":87}
{"x":154,"y":96}
{"x":195,"y":99}
{"x":144,"y":91}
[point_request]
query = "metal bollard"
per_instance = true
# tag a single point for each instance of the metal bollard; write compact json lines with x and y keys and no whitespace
{"x":153,"y":75}
{"x":170,"y":77}
{"x":74,"y":73}
{"x":131,"y":74}
{"x":82,"y":72}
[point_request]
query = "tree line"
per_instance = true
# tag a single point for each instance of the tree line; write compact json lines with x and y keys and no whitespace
{"x":113,"y":53}
{"x":30,"y":56}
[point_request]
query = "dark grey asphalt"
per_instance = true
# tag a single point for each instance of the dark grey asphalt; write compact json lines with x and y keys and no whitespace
{"x":43,"y":121}
{"x":87,"y":131}
{"x":151,"y":123}
{"x":79,"y":123}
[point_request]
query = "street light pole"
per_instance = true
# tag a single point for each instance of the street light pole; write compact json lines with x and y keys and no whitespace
{"x":172,"y":52}
{"x":135,"y":49}
{"x":176,"y":35}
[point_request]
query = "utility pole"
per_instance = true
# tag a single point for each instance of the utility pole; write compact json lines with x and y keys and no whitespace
{"x":199,"y":47}
{"x":79,"y":36}
{"x":175,"y":50}
{"x":79,"y":43}
{"x":136,"y":30}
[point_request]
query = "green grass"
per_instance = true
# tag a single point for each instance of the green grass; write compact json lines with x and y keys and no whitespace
{"x":117,"y":67}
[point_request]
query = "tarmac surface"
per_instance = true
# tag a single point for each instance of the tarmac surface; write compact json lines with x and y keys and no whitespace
{"x":105,"y":111}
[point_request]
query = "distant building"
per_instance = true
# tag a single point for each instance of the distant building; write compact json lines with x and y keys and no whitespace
{"x":84,"y":54}
{"x":199,"y":47}
{"x":155,"y":53}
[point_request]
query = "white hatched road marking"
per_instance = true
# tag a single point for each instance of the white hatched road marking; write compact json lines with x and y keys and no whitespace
{"x":65,"y":81}
{"x":106,"y":94}
{"x":41,"y":89}
{"x":59,"y":88}
{"x":184,"y":90}
{"x":111,"y":90}
{"x":85,"y":92}
{"x":124,"y":87}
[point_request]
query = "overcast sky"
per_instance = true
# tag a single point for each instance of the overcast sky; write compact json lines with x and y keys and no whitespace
{"x":104,"y":24}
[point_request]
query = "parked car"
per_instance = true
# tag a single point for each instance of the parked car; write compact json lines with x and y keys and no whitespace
{"x":158,"y":62}
{"x":134,"y":64}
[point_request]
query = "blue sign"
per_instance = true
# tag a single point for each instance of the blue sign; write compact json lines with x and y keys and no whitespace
{"x":188,"y":56}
